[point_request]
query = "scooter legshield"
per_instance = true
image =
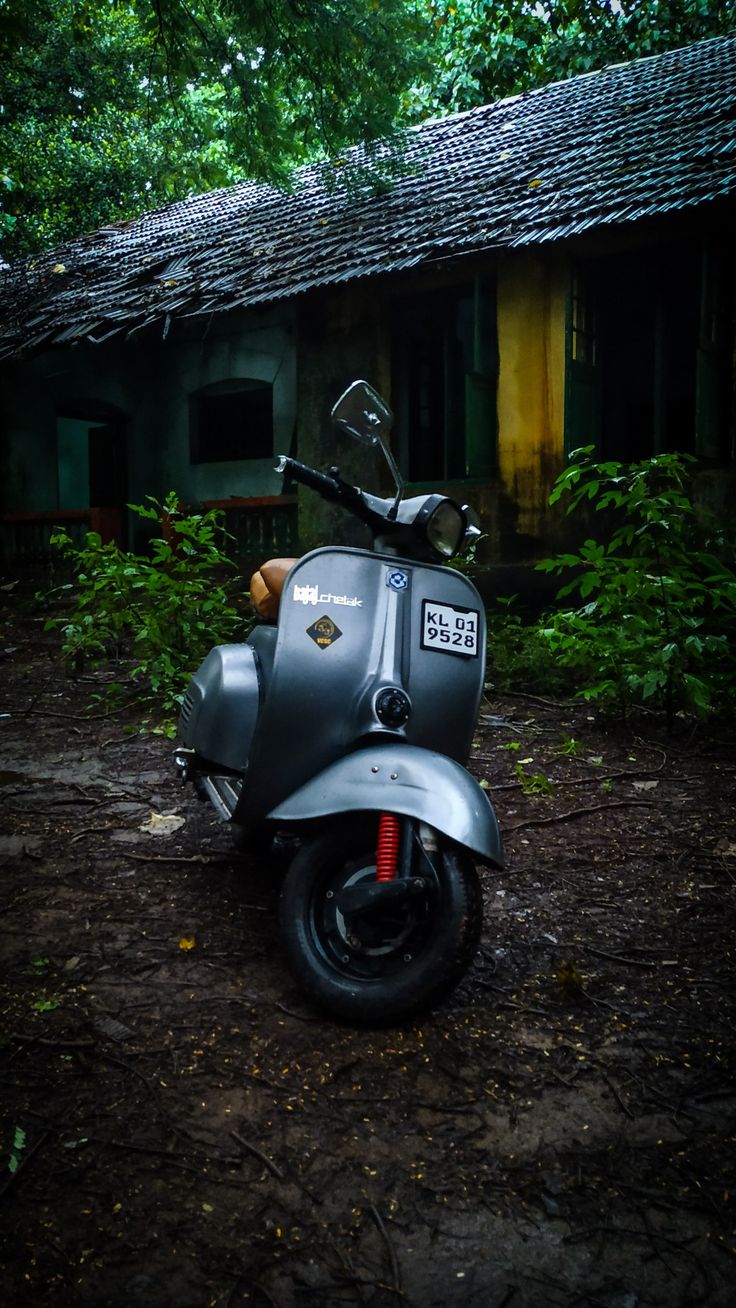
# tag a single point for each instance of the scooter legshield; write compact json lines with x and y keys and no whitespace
{"x":359,"y":636}
{"x":402,"y":779}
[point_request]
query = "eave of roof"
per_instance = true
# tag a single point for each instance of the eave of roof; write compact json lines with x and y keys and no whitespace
{"x":634,"y":140}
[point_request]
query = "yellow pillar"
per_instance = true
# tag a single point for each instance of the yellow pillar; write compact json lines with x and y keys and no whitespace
{"x":531,"y":383}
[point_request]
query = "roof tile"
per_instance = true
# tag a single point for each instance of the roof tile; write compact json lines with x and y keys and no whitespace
{"x":630,"y":141}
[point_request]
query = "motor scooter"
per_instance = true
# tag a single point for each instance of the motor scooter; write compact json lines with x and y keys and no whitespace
{"x":345,"y":719}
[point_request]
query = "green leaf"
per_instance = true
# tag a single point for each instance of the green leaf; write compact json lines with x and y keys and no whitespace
{"x":19,"y":1144}
{"x":45,"y":1005}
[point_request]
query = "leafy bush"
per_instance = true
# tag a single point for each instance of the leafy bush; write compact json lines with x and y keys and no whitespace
{"x":165,"y":609}
{"x":658,"y":620}
{"x":519,"y":659}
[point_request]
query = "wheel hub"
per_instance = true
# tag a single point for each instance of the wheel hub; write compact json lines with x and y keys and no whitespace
{"x":377,"y":928}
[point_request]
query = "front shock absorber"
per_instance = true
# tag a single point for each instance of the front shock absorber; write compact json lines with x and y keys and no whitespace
{"x":387,"y":852}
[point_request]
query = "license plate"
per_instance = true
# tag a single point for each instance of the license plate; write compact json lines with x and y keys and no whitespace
{"x":450,"y":629}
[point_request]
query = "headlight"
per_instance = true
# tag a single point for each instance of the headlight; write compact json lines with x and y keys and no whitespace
{"x":445,"y":528}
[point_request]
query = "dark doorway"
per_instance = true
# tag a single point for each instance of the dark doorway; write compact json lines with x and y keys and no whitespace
{"x":107,"y":479}
{"x":445,"y":374}
{"x":92,"y":461}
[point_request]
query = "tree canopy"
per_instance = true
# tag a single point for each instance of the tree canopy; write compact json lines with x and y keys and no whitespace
{"x":112,"y":107}
{"x":493,"y":48}
{"x":109,"y":108}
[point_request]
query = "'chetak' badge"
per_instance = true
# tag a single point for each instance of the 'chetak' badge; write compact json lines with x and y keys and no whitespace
{"x":324,"y":632}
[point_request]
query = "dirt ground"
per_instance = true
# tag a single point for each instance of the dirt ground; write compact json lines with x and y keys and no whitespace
{"x":180,"y":1128}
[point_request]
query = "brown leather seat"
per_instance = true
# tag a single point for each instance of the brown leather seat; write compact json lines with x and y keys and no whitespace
{"x":266,"y":586}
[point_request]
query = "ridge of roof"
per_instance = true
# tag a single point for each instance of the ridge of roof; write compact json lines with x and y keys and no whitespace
{"x":631,"y":140}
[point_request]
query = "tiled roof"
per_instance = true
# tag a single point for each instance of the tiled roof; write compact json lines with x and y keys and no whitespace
{"x":631,"y":141}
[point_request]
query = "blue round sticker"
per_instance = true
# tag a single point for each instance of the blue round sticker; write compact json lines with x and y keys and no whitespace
{"x":397,"y":579}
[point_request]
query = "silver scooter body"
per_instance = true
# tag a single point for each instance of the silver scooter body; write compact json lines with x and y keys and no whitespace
{"x":365,"y":697}
{"x":348,"y":724}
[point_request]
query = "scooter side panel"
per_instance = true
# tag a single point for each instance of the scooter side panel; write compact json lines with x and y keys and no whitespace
{"x":402,"y":779}
{"x":220,"y":709}
{"x":352,"y":623}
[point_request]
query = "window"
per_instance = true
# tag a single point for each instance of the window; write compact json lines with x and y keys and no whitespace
{"x":582,"y":391}
{"x":649,"y":336}
{"x":582,"y":326}
{"x":231,"y":420}
{"x":714,"y":400}
{"x":445,"y":378}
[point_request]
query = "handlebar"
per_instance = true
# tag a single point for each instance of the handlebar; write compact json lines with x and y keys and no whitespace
{"x":405,"y":531}
{"x":327,"y":487}
{"x":332,"y":487}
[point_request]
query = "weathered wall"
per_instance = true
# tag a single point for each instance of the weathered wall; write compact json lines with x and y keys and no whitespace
{"x":32,"y":390}
{"x":343,"y":336}
{"x":260,"y":348}
{"x":346,"y":334}
{"x":148,"y":382}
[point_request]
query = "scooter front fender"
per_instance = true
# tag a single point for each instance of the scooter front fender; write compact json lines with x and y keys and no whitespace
{"x":404,"y":779}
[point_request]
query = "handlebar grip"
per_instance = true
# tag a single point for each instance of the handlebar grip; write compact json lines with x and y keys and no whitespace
{"x":326,"y":486}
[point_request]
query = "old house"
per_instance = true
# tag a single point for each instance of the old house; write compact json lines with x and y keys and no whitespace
{"x":552,"y":270}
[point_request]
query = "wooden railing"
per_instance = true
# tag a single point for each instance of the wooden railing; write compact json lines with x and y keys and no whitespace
{"x":262,"y":527}
{"x":25,"y":537}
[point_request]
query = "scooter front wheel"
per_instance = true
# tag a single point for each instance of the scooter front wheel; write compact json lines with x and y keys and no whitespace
{"x":397,"y":958}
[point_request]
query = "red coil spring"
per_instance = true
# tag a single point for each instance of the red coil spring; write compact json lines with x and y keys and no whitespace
{"x":387,"y":854}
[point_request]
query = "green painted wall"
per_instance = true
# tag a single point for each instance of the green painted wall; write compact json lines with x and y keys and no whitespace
{"x":147,"y":383}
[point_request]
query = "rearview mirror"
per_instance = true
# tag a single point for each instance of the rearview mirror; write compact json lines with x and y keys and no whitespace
{"x":362,"y":413}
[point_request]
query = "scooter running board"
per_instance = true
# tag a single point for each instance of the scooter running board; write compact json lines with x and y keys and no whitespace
{"x":224,"y":794}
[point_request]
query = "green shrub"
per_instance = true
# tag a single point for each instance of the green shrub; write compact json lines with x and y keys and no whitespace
{"x":519,"y":658}
{"x":658,"y":621}
{"x":165,"y":609}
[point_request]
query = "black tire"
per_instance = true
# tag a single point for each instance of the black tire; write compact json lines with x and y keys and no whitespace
{"x":414,"y":954}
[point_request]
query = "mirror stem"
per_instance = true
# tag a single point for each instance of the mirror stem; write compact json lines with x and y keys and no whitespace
{"x":396,"y":476}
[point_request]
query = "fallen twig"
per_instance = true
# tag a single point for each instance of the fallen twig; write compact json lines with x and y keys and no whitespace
{"x":258,"y":1153}
{"x":595,"y":779}
{"x":89,"y":831}
{"x":623,"y":1106}
{"x":261,"y":1289}
{"x":393,"y":1260}
{"x":77,"y":717}
{"x":615,"y":958}
{"x":579,"y":812}
{"x":301,"y":1017}
{"x":538,"y":699}
{"x":150,"y":1087}
{"x":510,"y":1292}
{"x":565,"y":1080}
{"x":55,"y":1044}
{"x":175,"y":858}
